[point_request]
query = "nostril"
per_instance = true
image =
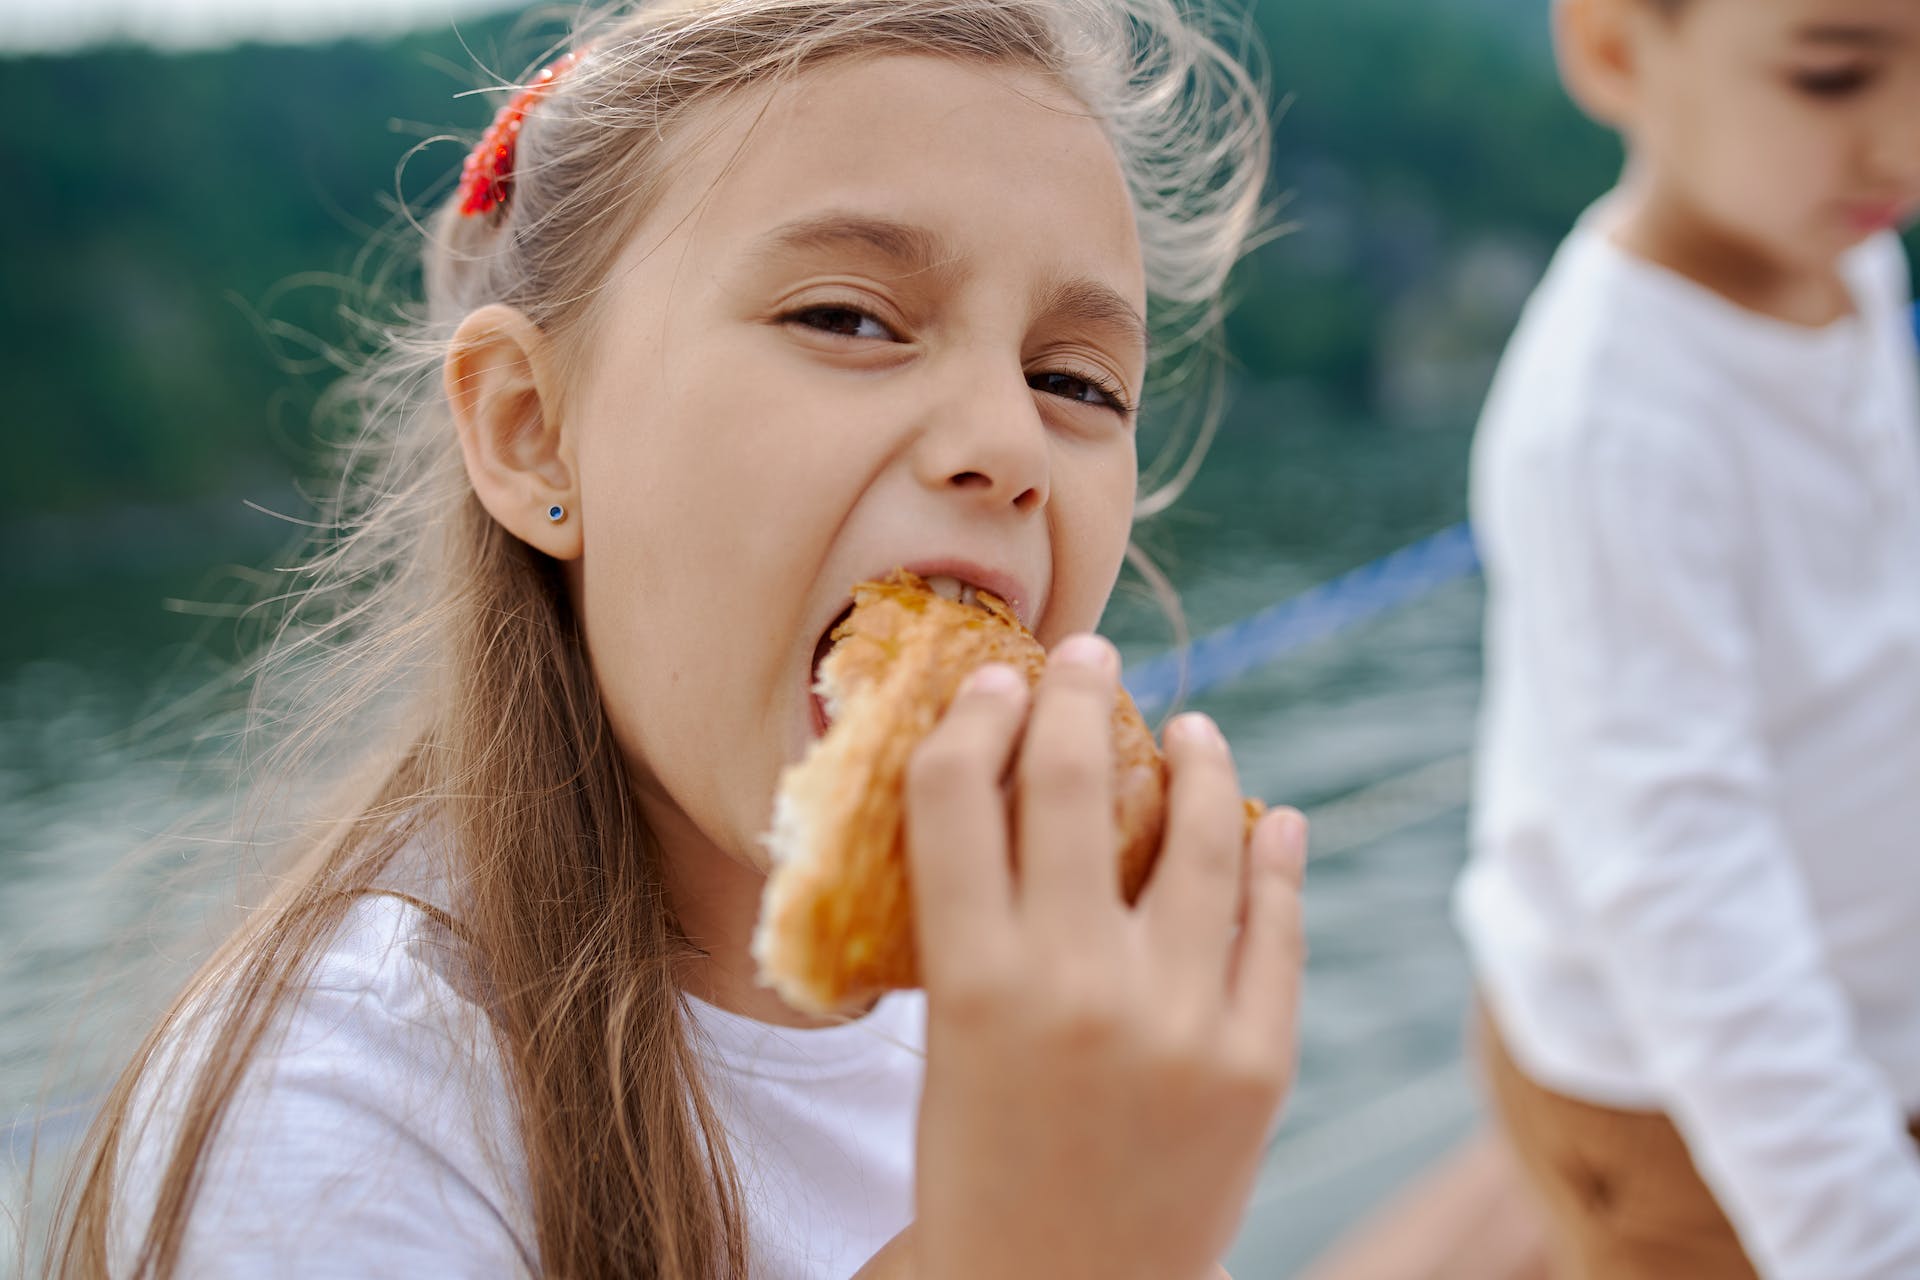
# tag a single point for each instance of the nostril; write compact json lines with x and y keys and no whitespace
{"x":1026,"y":500}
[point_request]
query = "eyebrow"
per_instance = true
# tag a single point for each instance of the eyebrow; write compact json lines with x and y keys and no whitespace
{"x":1095,"y":303}
{"x":908,"y":246}
{"x":1847,"y":36}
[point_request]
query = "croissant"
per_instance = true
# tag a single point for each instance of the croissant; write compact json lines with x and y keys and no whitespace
{"x":836,"y":916}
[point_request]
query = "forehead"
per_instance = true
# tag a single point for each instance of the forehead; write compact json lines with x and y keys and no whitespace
{"x":1837,"y":24}
{"x":992,"y":170}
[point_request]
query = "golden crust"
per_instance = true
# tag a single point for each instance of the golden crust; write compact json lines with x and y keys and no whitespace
{"x":836,"y":920}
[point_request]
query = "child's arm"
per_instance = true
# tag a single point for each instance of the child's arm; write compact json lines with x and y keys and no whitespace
{"x":895,"y":1261}
{"x":1101,"y":1079}
{"x":1624,"y":562}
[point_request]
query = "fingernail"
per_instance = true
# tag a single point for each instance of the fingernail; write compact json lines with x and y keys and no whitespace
{"x":1086,"y":651}
{"x":996,"y":678}
{"x":1293,"y":835}
{"x":1197,"y":729}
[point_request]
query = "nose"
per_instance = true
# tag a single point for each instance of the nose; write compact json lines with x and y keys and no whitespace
{"x":988,"y":444}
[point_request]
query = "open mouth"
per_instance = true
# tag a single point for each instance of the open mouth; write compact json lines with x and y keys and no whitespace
{"x":822,"y":707}
{"x":822,"y":714}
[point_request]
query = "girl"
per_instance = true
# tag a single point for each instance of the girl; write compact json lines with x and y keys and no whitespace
{"x":742,"y":302}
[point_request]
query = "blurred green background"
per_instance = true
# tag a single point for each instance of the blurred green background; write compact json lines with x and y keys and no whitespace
{"x":172,"y":239}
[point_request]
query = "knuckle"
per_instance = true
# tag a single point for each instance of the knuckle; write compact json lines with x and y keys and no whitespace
{"x":939,"y":764}
{"x":1085,"y":1017}
{"x":1209,"y":786}
{"x":1212,"y":852}
{"x":976,"y":995}
{"x":1078,"y":695}
{"x":1213,"y":788}
{"x":1274,"y":973}
{"x":1081,"y":1032}
{"x":1280,"y":924}
{"x":1287,"y":946}
{"x":1181,"y":1061}
{"x":1061,"y":772}
{"x":1253,"y":1074}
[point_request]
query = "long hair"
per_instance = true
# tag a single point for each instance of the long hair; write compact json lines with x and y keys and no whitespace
{"x":420,"y":628}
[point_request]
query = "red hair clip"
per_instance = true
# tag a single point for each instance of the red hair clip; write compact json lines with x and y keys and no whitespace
{"x":488,"y":172}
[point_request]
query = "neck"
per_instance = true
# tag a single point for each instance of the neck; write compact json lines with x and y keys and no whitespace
{"x":1656,"y":223}
{"x":715,"y":896}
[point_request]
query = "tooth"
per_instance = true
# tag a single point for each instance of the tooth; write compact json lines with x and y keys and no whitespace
{"x":946,"y":587}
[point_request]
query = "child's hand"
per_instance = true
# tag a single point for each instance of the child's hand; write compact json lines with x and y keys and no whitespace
{"x":1100,"y":1080}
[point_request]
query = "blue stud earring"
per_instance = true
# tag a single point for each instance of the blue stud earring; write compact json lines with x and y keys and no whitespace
{"x":556,"y":513}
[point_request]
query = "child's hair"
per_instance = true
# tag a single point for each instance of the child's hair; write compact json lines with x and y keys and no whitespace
{"x":424,"y":629}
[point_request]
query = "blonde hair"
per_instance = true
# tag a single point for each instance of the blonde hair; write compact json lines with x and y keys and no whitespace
{"x":421,"y":617}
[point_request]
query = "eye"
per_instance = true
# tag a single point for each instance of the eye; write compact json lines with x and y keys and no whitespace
{"x":1084,"y":388}
{"x":845,"y":322}
{"x":1833,"y":83}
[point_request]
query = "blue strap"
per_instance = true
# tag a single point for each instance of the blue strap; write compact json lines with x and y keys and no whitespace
{"x":1241,"y":647}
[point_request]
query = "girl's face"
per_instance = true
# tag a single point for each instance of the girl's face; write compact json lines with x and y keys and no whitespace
{"x":1793,"y":124}
{"x":892,"y":315}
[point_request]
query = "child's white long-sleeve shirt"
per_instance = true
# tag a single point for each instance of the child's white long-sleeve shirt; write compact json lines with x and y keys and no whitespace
{"x":1696,"y":873}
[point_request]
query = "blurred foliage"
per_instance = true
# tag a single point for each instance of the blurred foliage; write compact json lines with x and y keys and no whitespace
{"x":1404,"y":129}
{"x":172,"y":222}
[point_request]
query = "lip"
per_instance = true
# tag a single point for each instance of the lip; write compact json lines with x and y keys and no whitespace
{"x":1009,"y":587}
{"x":1018,"y":596}
{"x":1014,"y":590}
{"x":1877,"y":215}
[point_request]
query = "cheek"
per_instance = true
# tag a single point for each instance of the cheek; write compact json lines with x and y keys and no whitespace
{"x":709,"y":501}
{"x":1092,"y":521}
{"x":1789,"y":148}
{"x":707,"y":471}
{"x":1762,"y":161}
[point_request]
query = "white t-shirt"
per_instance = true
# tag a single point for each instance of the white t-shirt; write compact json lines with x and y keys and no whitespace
{"x":378,"y":1138}
{"x":822,"y":1128}
{"x":1695,"y":881}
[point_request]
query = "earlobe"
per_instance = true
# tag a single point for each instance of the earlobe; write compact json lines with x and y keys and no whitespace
{"x":499,"y":378}
{"x":1593,"y":44}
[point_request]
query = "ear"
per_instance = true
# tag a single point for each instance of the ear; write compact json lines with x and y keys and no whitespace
{"x":502,"y":387}
{"x":1593,"y":41}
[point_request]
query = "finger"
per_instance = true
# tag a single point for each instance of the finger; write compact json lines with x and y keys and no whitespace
{"x":1271,"y":952}
{"x":1193,"y":902}
{"x":1067,"y":848}
{"x":956,"y":820}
